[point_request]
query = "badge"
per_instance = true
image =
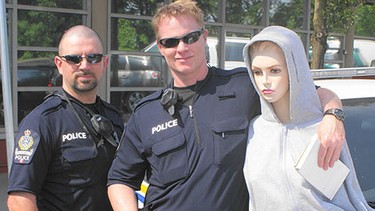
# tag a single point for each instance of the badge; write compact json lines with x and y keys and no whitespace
{"x":25,"y":147}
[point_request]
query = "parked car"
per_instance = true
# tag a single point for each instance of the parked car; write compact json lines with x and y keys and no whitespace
{"x":134,"y":71}
{"x":32,"y":73}
{"x":363,"y":53}
{"x":358,"y":99}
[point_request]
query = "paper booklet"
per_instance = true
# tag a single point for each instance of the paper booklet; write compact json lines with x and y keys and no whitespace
{"x":326,"y":181}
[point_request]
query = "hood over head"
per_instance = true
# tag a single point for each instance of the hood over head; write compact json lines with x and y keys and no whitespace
{"x":305,"y":105}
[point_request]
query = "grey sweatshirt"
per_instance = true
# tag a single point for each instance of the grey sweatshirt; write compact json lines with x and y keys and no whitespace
{"x":274,"y":148}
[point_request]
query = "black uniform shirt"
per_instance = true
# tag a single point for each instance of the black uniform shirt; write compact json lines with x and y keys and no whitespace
{"x":58,"y":161}
{"x":194,"y":158}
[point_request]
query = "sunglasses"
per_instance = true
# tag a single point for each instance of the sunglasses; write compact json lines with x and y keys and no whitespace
{"x":76,"y":59}
{"x":190,"y":38}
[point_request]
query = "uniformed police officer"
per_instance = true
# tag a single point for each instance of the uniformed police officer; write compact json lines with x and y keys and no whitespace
{"x":190,"y":138}
{"x":65,"y":146}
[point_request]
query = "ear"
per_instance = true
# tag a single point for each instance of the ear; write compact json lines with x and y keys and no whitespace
{"x":105,"y":62}
{"x":161,"y":48}
{"x":205,"y":34}
{"x":58,"y":62}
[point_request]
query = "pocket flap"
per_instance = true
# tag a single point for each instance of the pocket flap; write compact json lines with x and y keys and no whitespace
{"x":169,"y":144}
{"x":79,"y":152}
{"x":232,"y":124}
{"x":223,"y":95}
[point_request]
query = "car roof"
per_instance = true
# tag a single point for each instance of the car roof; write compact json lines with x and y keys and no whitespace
{"x":349,"y":88}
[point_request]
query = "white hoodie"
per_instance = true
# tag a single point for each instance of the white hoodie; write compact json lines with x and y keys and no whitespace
{"x":274,"y":148}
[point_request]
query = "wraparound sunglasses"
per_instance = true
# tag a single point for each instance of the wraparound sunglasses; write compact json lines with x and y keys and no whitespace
{"x":77,"y":59}
{"x":190,"y":38}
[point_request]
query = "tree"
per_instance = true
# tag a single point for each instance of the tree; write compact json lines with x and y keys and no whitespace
{"x":332,"y":16}
{"x":319,"y":38}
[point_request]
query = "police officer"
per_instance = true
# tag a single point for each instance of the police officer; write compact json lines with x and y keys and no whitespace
{"x":65,"y":146}
{"x":190,"y":138}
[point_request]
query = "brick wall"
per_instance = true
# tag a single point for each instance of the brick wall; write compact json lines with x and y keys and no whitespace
{"x":3,"y":157}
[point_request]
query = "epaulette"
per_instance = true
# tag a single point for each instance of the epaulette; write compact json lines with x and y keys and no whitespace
{"x":51,"y":102}
{"x":228,"y":73}
{"x":53,"y":94}
{"x":152,"y":97}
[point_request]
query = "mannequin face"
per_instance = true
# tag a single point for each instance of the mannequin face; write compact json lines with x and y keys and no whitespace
{"x":270,"y":72}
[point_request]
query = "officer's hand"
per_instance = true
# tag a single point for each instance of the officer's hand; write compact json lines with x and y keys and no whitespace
{"x":331,"y":133}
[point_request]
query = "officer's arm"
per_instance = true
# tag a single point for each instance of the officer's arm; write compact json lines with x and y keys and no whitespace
{"x":331,"y":131}
{"x":22,"y":201}
{"x":122,"y":198}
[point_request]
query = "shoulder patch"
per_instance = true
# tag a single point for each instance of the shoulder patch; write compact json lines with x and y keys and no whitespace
{"x":25,"y":147}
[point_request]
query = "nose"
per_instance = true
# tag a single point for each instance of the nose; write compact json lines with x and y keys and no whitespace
{"x":266,"y":82}
{"x":84,"y":64}
{"x":181,"y":46}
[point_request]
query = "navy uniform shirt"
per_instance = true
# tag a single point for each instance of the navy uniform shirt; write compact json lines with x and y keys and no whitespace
{"x":193,"y":159}
{"x":58,"y":161}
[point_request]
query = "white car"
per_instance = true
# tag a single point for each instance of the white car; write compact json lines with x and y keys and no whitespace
{"x":358,"y":97}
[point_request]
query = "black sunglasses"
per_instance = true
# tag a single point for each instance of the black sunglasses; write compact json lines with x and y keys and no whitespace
{"x":76,"y":59}
{"x":190,"y":38}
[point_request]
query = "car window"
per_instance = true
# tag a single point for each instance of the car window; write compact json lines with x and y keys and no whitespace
{"x":360,"y":135}
{"x":34,"y":76}
{"x":233,"y":51}
{"x":152,"y":48}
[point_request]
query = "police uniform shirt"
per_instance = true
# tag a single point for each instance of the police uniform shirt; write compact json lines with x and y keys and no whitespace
{"x":194,"y":158}
{"x":58,"y":161}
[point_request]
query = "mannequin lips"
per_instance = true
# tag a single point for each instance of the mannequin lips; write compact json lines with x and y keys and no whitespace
{"x":267,"y":91}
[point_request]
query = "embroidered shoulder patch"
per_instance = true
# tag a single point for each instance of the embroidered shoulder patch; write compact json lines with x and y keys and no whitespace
{"x":25,"y":147}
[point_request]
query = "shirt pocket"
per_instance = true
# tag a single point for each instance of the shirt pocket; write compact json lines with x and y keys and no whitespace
{"x":229,"y":140}
{"x":79,"y":150}
{"x":78,"y":160}
{"x":171,"y":159}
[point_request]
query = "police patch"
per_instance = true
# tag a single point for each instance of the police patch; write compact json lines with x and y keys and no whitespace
{"x":25,"y":147}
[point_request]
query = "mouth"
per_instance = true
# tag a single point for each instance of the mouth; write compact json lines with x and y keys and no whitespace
{"x":183,"y":58}
{"x":267,"y":91}
{"x":85,"y":76}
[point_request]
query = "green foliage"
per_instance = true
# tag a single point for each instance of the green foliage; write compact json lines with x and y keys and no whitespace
{"x":135,"y":7}
{"x":289,"y":14}
{"x":244,"y":12}
{"x":42,"y":29}
{"x":35,"y":54}
{"x":72,"y":4}
{"x":32,"y":31}
{"x":130,"y":34}
{"x":44,"y":3}
{"x":133,"y":35}
{"x":210,"y":10}
{"x":365,"y":21}
{"x":339,"y":15}
{"x":126,"y":35}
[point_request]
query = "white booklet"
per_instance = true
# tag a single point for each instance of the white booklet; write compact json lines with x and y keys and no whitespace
{"x":326,"y":181}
